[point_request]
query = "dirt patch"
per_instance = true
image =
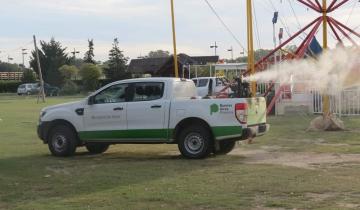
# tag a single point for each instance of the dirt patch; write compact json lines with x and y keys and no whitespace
{"x":299,"y":159}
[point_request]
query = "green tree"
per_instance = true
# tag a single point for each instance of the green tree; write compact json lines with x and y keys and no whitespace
{"x":52,"y":56}
{"x":90,"y":74}
{"x":116,"y":68}
{"x":28,"y":76}
{"x":89,"y":55}
{"x":260,"y":53}
{"x":8,"y":67}
{"x":69,"y":72}
{"x":158,"y":54}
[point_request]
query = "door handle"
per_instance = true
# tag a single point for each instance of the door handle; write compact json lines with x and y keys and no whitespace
{"x":156,"y":106}
{"x":118,"y":109}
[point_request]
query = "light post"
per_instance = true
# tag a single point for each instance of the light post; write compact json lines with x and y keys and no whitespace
{"x":23,"y":53}
{"x":281,"y":34}
{"x":215,"y":47}
{"x":74,"y":53}
{"x":9,"y":58}
{"x":232,"y":53}
{"x":274,"y":21}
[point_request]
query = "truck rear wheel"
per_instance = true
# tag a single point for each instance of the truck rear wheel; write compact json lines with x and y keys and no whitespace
{"x":225,"y":147}
{"x":62,"y":141}
{"x":195,"y":142}
{"x":96,"y":148}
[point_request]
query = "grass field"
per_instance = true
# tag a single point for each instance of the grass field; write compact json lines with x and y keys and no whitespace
{"x":288,"y":168}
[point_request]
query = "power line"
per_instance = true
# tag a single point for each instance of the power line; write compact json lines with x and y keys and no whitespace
{"x":224,"y":24}
{"x":257,"y":28}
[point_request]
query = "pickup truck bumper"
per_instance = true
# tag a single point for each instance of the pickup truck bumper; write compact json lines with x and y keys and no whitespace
{"x":256,"y":130}
{"x":43,"y":130}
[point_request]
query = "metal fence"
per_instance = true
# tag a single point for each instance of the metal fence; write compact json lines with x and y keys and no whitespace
{"x":342,"y":103}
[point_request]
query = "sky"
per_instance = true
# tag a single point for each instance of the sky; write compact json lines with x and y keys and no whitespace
{"x":145,"y":25}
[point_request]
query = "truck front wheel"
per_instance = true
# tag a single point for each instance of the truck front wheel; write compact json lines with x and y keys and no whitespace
{"x":97,"y":148}
{"x":195,"y":142}
{"x":62,"y":141}
{"x":225,"y":147}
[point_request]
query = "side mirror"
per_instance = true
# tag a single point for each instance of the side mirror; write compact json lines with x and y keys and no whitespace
{"x":91,"y":100}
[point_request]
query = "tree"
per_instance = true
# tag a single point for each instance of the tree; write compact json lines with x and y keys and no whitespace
{"x":69,"y":72}
{"x":158,"y":54}
{"x":260,"y":53}
{"x":28,"y":76}
{"x":90,"y":74}
{"x":8,"y":67}
{"x":52,"y":56}
{"x":116,"y":68}
{"x":89,"y":55}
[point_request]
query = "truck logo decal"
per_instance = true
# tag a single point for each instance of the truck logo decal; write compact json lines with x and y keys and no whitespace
{"x":214,"y":108}
{"x":222,"y":109}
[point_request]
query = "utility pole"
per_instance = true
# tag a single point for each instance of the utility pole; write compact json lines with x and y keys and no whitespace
{"x":9,"y":58}
{"x":326,"y":100}
{"x":232,"y":53}
{"x":41,"y":92}
{"x":215,"y":47}
{"x":250,"y":42}
{"x":174,"y":39}
{"x":74,"y":53}
{"x":23,"y":53}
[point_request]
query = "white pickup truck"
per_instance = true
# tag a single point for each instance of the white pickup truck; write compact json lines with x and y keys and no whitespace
{"x":152,"y":111}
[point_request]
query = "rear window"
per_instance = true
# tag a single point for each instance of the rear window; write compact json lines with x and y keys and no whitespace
{"x":22,"y":86}
{"x":184,"y":89}
{"x":203,"y":82}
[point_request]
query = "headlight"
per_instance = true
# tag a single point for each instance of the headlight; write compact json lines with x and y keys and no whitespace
{"x":42,"y":114}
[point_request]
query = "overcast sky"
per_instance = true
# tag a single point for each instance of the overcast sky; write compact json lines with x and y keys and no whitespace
{"x":145,"y":25}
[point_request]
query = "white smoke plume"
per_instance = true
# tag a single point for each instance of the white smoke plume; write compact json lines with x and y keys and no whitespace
{"x":334,"y":70}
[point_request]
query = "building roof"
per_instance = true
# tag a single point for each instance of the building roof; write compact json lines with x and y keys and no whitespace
{"x":146,"y":65}
{"x":158,"y":66}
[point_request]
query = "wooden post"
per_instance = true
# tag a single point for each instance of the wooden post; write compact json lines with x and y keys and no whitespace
{"x":41,"y":92}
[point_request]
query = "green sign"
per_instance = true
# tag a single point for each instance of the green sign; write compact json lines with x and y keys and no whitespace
{"x":214,"y":108}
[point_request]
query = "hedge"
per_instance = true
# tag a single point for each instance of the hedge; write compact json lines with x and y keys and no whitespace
{"x":9,"y":86}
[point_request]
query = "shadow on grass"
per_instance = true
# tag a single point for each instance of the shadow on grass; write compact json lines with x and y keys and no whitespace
{"x":37,"y":178}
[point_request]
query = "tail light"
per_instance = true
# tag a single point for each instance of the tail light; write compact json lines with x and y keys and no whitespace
{"x":241,"y":112}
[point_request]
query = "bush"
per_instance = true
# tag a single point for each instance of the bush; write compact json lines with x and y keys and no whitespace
{"x":9,"y":86}
{"x":69,"y":88}
{"x":28,"y":76}
{"x":90,"y":75}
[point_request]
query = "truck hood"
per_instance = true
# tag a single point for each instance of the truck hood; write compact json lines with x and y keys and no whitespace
{"x":76,"y":105}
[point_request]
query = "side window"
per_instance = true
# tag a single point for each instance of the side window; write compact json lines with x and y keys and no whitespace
{"x":203,"y":82}
{"x":196,"y":82}
{"x":148,"y":91}
{"x":113,"y":94}
{"x":219,"y":82}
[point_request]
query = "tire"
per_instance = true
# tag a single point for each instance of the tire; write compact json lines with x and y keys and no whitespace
{"x":225,"y":147}
{"x":62,"y":141}
{"x":195,"y":142}
{"x":96,"y":148}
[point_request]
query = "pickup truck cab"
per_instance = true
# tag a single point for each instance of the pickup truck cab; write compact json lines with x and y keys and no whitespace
{"x":209,"y":86}
{"x":152,"y":111}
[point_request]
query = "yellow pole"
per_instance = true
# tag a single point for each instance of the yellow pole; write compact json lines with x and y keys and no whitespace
{"x":326,"y":101}
{"x":174,"y":39}
{"x":250,"y":40}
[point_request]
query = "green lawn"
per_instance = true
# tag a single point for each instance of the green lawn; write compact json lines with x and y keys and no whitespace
{"x":156,"y":177}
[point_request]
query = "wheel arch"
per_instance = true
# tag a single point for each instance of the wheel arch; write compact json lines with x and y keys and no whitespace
{"x":57,"y":122}
{"x":188,"y":122}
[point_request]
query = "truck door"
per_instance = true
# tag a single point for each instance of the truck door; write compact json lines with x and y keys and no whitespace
{"x":106,"y":118}
{"x":147,"y":111}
